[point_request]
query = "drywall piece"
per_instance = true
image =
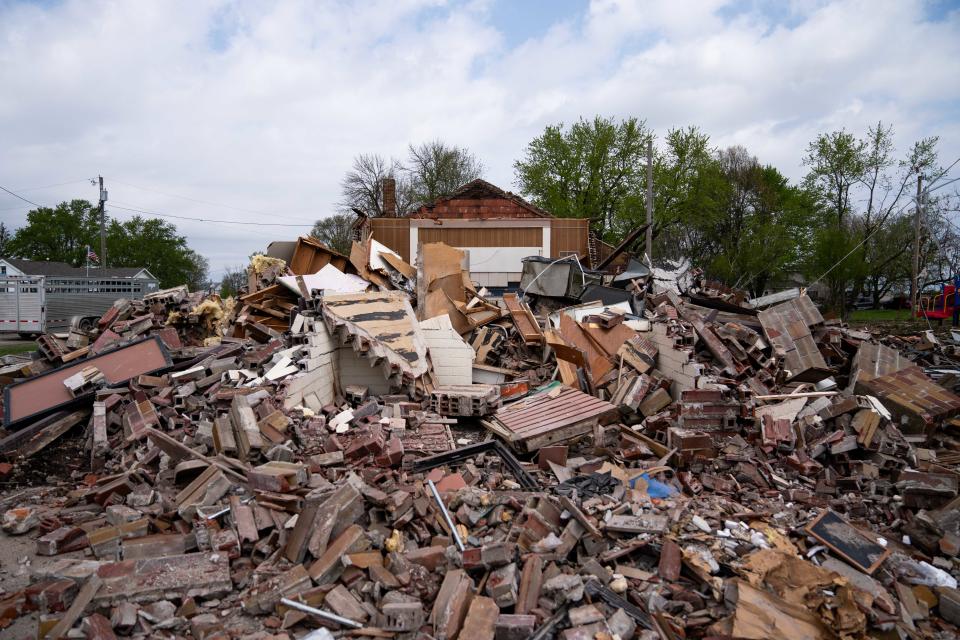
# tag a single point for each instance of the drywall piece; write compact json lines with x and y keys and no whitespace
{"x":329,"y":279}
{"x":452,"y":358}
{"x":377,"y":250}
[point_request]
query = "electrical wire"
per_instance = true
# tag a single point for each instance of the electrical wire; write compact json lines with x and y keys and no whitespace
{"x":50,"y":186}
{"x":870,"y":235}
{"x":237,"y":222}
{"x":21,"y":197}
{"x":209,"y":202}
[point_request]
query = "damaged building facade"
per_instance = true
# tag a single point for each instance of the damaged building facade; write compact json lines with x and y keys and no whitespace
{"x":497,"y":229}
{"x":374,"y":445}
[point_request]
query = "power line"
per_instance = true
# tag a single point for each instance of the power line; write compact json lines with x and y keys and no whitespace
{"x":50,"y":186}
{"x":21,"y":197}
{"x":251,"y":224}
{"x":210,"y":202}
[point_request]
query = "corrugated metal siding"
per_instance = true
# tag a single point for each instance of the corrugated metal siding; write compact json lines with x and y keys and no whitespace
{"x":394,"y":233}
{"x":541,"y":414}
{"x":490,"y":236}
{"x":568,"y":235}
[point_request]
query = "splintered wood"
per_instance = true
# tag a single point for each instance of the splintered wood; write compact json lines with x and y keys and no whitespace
{"x":523,"y":319}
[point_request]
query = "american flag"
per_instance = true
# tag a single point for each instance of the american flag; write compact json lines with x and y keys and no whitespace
{"x":91,"y":255}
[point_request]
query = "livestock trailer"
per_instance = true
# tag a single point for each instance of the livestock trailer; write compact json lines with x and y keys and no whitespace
{"x":83,"y":300}
{"x":31,"y":305}
{"x":22,"y":304}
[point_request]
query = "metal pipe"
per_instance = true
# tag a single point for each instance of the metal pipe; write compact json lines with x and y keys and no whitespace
{"x":216,"y":515}
{"x":320,"y":613}
{"x":446,"y":516}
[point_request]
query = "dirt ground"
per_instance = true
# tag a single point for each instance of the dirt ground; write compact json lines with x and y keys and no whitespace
{"x":17,"y":560}
{"x":16,"y":557}
{"x":32,"y":484}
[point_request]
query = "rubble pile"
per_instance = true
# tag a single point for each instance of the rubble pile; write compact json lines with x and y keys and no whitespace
{"x":361,"y":447}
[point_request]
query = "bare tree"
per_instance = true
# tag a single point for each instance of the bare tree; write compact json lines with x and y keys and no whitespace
{"x":233,"y":281}
{"x":362,"y":186}
{"x":435,"y":169}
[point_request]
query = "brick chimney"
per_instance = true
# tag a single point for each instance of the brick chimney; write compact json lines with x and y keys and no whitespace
{"x":389,"y":198}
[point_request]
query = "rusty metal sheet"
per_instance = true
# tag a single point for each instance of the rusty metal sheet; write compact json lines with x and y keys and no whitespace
{"x":550,"y":416}
{"x":39,"y":395}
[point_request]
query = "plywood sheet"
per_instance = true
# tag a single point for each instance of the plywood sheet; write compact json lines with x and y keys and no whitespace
{"x":310,"y":255}
{"x":598,"y":362}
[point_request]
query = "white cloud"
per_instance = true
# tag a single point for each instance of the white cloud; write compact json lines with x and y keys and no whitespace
{"x":262,"y":106}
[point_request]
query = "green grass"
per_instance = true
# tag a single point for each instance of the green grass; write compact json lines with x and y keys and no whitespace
{"x":24,"y":347}
{"x":880,"y":315}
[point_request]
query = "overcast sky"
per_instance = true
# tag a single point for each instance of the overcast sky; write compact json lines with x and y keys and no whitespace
{"x":252,"y":111}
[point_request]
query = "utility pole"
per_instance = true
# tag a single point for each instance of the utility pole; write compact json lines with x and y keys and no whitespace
{"x":915,"y":271}
{"x":650,"y":200}
{"x":103,"y":226}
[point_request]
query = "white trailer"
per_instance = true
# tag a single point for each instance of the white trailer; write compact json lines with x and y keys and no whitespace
{"x":22,"y":305}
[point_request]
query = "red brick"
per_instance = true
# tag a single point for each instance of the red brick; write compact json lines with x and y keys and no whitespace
{"x":429,"y":557}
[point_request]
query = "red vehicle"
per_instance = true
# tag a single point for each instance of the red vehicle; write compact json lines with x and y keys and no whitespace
{"x":939,"y":306}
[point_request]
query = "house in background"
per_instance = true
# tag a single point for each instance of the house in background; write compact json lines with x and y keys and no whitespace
{"x":18,"y":267}
{"x":496,"y":228}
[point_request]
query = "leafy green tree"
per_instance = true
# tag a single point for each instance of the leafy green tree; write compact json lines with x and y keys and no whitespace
{"x":335,"y":231}
{"x":5,"y":239}
{"x":62,"y":234}
{"x":761,"y":231}
{"x":59,"y":234}
{"x":742,"y":221}
{"x":197,"y":274}
{"x":865,"y":195}
{"x":837,"y":161}
{"x":593,"y":169}
{"x":156,"y":245}
{"x":690,"y":192}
